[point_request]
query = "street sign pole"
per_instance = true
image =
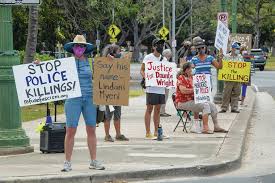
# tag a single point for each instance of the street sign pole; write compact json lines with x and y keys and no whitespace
{"x":13,"y":139}
{"x":218,"y":96}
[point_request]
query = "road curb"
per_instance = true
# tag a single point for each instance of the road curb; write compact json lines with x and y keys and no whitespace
{"x":227,"y":159}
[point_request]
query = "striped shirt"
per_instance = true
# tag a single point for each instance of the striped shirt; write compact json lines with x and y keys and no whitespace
{"x":203,"y":67}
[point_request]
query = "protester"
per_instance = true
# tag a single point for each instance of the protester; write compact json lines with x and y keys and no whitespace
{"x":167,"y":54}
{"x":232,"y":90}
{"x":243,"y":52}
{"x":155,"y":96}
{"x":113,"y":52}
{"x":185,"y":100}
{"x":203,"y":62}
{"x":182,"y":53}
{"x":75,"y":106}
{"x":190,"y":54}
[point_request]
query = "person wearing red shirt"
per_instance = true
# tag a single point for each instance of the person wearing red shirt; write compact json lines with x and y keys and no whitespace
{"x":185,"y":100}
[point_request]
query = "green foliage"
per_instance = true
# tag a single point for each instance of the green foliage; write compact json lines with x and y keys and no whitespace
{"x":42,"y":57}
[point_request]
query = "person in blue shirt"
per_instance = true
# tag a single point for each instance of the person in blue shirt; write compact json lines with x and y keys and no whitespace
{"x":84,"y":104}
{"x":203,"y":62}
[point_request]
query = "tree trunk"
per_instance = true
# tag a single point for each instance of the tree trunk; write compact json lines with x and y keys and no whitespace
{"x":32,"y":35}
{"x":135,"y":56}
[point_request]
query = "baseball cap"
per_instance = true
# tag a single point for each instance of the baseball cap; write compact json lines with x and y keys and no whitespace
{"x":157,"y":41}
{"x":236,"y":45}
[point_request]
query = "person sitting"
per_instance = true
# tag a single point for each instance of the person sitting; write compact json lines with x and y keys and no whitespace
{"x":185,"y":100}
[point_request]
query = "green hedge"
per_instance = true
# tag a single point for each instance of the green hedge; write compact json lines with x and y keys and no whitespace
{"x":42,"y":57}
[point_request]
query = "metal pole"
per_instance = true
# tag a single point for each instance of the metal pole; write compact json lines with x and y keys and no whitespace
{"x":173,"y":29}
{"x":163,"y":13}
{"x":191,"y":21}
{"x":234,"y":16}
{"x":219,"y":94}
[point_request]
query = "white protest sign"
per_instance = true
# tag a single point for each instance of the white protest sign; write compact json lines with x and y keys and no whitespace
{"x":202,"y":88}
{"x":161,"y":74}
{"x":45,"y":82}
{"x":222,"y":35}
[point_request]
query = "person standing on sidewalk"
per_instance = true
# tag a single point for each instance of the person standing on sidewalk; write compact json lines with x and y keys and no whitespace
{"x":113,"y":51}
{"x":232,"y":90}
{"x":84,"y":104}
{"x":167,"y":54}
{"x":155,"y":96}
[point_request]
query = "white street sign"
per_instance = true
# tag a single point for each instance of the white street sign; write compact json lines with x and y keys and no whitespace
{"x":20,"y":2}
{"x":223,"y":17}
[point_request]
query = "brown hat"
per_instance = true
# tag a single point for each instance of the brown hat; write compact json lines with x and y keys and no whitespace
{"x":198,"y":42}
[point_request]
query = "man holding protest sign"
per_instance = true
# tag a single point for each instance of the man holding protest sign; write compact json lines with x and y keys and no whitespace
{"x":155,"y":96}
{"x":232,"y":89}
{"x":84,"y":104}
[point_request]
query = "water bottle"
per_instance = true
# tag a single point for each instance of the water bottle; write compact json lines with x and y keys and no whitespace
{"x":160,"y":137}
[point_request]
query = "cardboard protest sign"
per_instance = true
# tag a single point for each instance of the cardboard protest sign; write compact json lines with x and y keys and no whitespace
{"x":244,"y":39}
{"x":222,"y":35}
{"x":235,"y":71}
{"x":111,"y":81}
{"x":45,"y":82}
{"x":161,"y":74}
{"x":202,"y":88}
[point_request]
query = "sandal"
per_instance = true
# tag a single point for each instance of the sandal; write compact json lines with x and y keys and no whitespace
{"x":207,"y":132}
{"x":220,"y":130}
{"x":122,"y":138}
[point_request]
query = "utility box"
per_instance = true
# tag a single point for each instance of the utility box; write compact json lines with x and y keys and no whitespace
{"x":52,"y":138}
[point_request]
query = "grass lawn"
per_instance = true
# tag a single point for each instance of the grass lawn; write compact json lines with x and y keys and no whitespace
{"x":270,"y":64}
{"x":34,"y":112}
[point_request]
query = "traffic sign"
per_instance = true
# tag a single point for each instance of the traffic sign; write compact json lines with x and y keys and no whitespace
{"x":163,"y":32}
{"x":113,"y":40}
{"x":19,"y":2}
{"x":113,"y":31}
{"x":223,"y":17}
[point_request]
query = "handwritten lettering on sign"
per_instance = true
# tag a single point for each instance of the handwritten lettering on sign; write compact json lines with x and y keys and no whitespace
{"x":111,"y":81}
{"x":202,"y":88}
{"x":235,"y":71}
{"x":48,"y":81}
{"x":161,"y":74}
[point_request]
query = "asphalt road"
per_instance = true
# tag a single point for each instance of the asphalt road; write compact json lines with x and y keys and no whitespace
{"x":265,"y":81}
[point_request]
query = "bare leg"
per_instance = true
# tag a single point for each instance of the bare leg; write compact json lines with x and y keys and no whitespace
{"x":117,"y":127}
{"x":156,"y":117}
{"x":69,"y":142}
{"x":107,"y":127}
{"x":91,"y":140}
{"x":205,"y":122}
{"x":147,"y":118}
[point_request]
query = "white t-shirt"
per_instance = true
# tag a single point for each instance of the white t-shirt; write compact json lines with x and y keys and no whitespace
{"x":153,"y":89}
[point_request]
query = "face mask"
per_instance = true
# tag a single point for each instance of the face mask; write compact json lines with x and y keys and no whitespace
{"x":202,"y":52}
{"x":118,"y":55}
{"x":78,"y":51}
{"x":237,"y":52}
{"x":159,"y":49}
{"x":193,"y":53}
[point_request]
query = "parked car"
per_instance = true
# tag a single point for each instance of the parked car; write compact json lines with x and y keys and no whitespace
{"x":256,"y":57}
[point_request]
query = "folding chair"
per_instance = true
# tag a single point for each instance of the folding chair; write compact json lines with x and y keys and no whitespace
{"x":182,"y":114}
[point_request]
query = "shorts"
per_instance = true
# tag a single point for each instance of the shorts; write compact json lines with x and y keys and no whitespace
{"x":155,"y":99}
{"x":75,"y":106}
{"x":116,"y":113}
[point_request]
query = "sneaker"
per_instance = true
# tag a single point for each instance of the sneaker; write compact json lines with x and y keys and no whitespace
{"x":94,"y":164}
{"x":108,"y":138}
{"x":163,"y":136}
{"x":150,"y":137}
{"x":235,"y":111}
{"x":222,"y":111}
{"x":122,"y":138}
{"x":67,"y":166}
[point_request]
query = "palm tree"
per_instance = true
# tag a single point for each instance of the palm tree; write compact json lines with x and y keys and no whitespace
{"x":32,"y":34}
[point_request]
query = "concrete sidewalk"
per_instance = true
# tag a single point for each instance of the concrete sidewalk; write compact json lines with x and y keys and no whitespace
{"x":184,"y":154}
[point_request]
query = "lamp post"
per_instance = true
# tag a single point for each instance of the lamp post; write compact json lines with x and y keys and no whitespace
{"x":220,"y":84}
{"x":13,"y":139}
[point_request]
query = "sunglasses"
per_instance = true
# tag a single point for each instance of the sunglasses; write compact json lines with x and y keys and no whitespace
{"x":80,"y":45}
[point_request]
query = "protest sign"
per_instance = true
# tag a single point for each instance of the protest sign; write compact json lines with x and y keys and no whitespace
{"x":244,"y":39}
{"x":222,"y":35}
{"x":111,"y":81}
{"x":202,"y":88}
{"x":235,"y":71}
{"x":47,"y":81}
{"x":161,"y":74}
